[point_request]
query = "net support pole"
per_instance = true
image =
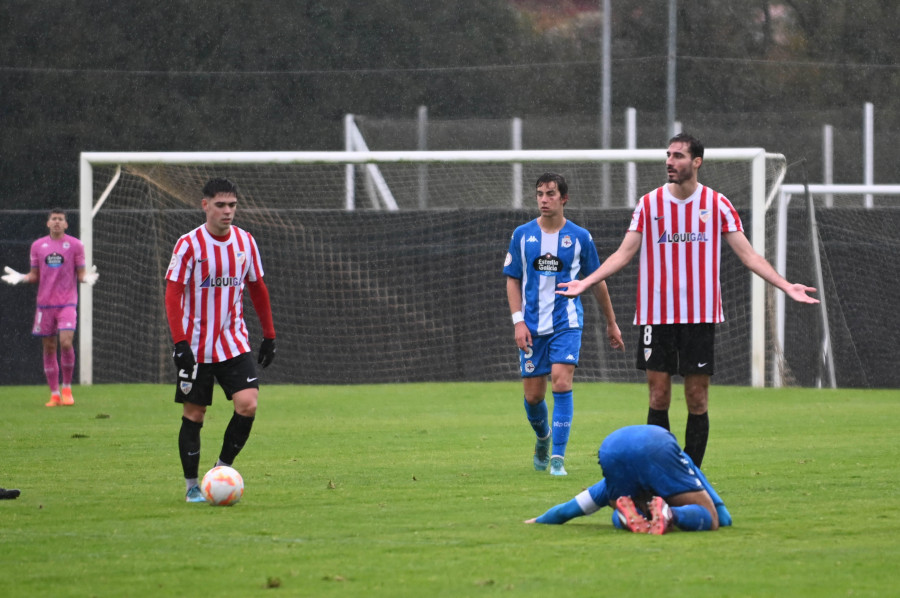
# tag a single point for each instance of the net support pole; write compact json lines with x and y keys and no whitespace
{"x":86,"y":291}
{"x":827,"y":358}
{"x":781,"y":267}
{"x":757,"y":284}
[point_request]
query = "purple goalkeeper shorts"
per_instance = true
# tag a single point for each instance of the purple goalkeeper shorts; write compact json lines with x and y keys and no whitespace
{"x":48,"y":321}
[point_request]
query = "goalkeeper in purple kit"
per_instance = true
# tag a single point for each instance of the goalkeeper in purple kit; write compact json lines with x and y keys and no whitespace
{"x":57,"y":266}
{"x":651,"y":484}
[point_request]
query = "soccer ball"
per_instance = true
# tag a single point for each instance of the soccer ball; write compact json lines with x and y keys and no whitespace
{"x":222,"y":486}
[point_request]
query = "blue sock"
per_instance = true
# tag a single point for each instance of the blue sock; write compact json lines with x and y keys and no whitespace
{"x":617,"y":520}
{"x":692,"y":518}
{"x":562,"y":421}
{"x":537,"y":417}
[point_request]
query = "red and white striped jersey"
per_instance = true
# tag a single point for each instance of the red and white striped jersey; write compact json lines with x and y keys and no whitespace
{"x":213,"y":273}
{"x":680,"y":255}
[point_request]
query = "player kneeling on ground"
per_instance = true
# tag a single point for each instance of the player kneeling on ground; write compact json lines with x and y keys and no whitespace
{"x":650,"y":483}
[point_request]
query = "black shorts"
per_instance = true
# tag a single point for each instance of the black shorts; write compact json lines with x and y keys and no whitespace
{"x":233,"y":375}
{"x":677,"y":348}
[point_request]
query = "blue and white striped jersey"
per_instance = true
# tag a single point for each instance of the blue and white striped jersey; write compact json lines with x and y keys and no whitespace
{"x":541,"y":261}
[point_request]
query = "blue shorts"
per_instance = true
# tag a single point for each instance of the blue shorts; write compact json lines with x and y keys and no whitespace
{"x":559,"y":347}
{"x":645,"y":461}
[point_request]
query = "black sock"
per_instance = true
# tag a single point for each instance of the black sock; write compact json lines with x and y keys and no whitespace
{"x":189,"y":447}
{"x":236,"y":435}
{"x":658,"y":417}
{"x":696,"y":434}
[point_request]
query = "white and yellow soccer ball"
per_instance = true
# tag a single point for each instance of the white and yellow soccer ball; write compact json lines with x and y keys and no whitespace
{"x":222,"y":486}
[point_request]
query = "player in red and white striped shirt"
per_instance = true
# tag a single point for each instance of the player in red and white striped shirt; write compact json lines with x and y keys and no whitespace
{"x":679,"y":229}
{"x":204,"y":305}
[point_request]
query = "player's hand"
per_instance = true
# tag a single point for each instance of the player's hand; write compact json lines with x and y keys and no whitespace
{"x":573,"y":288}
{"x":266,"y":352}
{"x":184,"y":356}
{"x":91,"y":276}
{"x":523,"y":336}
{"x":615,"y":337}
{"x":798,"y":292}
{"x":11,"y":276}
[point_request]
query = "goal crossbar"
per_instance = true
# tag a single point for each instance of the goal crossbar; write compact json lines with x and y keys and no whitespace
{"x":461,"y":156}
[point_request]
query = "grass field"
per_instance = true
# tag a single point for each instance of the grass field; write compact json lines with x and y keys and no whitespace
{"x":421,"y":490}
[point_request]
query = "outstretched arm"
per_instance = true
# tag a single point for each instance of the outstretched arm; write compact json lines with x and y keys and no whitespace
{"x":618,"y":260}
{"x":759,"y":266}
{"x":586,"y":503}
{"x":560,"y":513}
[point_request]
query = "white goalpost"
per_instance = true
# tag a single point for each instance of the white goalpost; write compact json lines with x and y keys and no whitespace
{"x":303,"y":208}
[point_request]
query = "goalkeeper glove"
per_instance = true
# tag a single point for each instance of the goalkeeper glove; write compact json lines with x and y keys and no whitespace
{"x":266,"y":352}
{"x":11,"y":276}
{"x":184,"y":356}
{"x":91,"y":276}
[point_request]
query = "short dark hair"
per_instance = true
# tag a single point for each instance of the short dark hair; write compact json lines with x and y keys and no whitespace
{"x":57,"y":211}
{"x":221,"y":185}
{"x":551,"y":177}
{"x":694,"y":144}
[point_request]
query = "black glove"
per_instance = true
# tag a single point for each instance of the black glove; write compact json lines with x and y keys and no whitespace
{"x":266,"y":352}
{"x":184,"y":356}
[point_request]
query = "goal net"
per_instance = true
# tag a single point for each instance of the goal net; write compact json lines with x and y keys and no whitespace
{"x":841,"y":239}
{"x":386,"y":266}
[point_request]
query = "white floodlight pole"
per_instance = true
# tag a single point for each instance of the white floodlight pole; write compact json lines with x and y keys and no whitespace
{"x":606,"y":101}
{"x":868,"y":150}
{"x":670,"y":63}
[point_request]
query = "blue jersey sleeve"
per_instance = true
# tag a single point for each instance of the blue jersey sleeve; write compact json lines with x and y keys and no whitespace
{"x":561,"y":513}
{"x":512,"y":266}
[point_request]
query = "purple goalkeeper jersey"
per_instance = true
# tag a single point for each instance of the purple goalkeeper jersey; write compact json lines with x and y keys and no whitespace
{"x":57,"y":260}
